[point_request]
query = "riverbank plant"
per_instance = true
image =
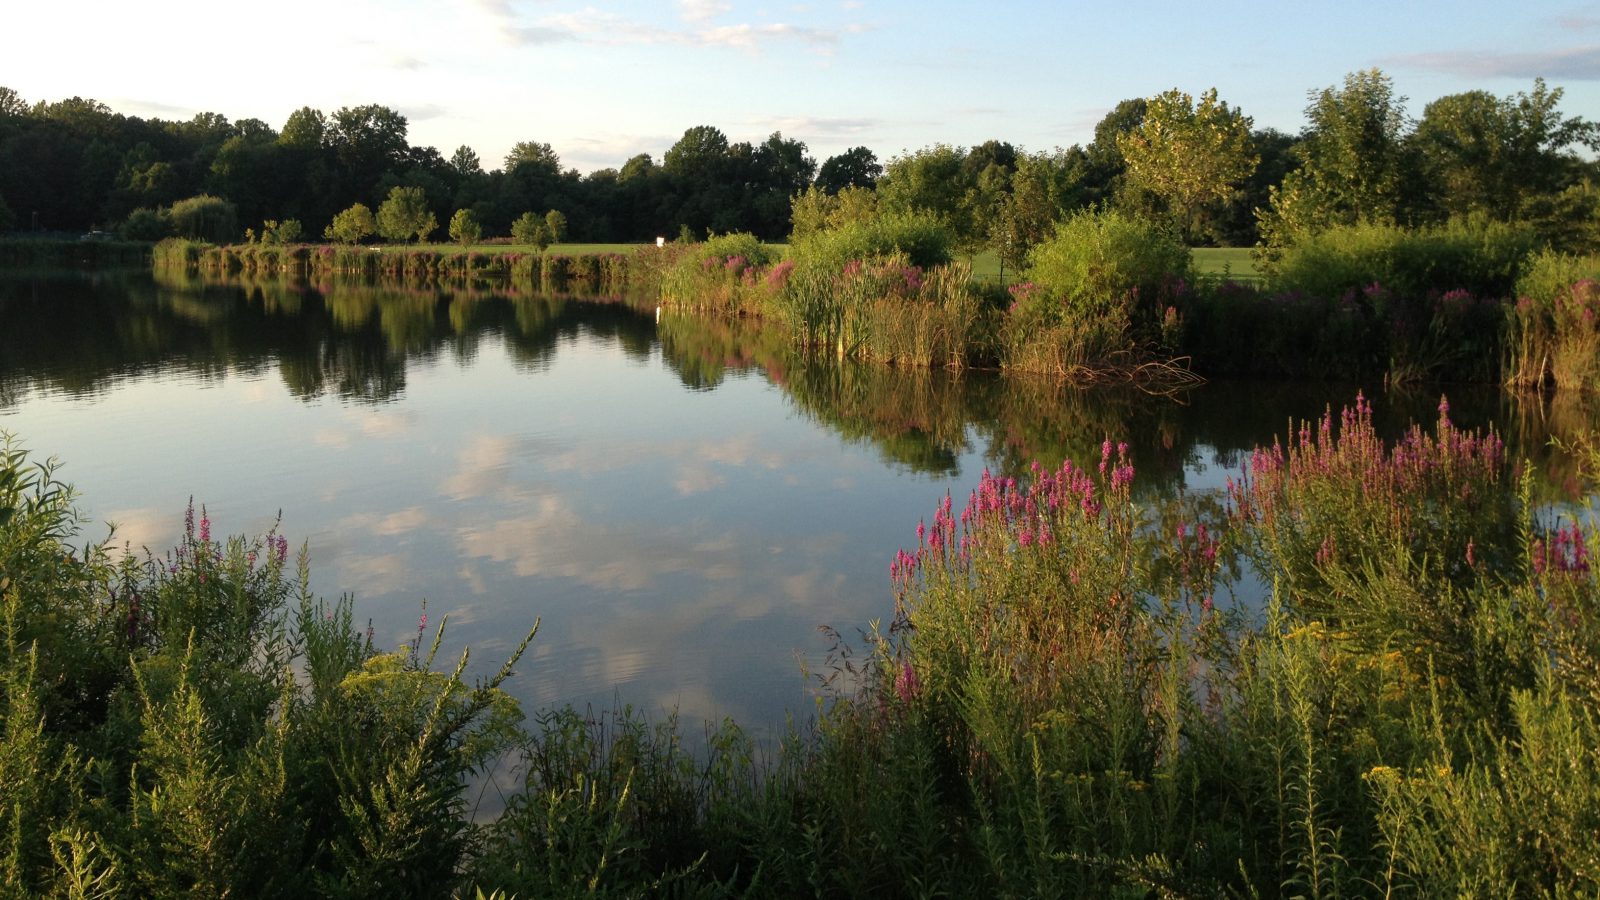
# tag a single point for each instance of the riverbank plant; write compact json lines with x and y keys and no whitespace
{"x":1555,"y":325}
{"x":1099,"y":296}
{"x":1077,"y":694}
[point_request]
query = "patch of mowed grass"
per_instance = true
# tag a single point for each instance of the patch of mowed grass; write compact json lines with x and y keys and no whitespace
{"x":1234,"y":261}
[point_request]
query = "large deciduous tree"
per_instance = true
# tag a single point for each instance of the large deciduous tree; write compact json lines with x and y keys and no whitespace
{"x":1355,"y":165}
{"x":856,"y":167}
{"x":1191,"y":155}
{"x":1492,"y":155}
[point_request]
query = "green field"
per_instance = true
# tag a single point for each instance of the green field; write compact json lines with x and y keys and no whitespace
{"x":1235,"y":261}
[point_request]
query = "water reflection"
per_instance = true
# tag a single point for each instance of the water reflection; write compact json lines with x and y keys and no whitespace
{"x":683,"y":502}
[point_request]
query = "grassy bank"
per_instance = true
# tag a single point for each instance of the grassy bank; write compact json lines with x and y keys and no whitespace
{"x":1066,"y":700}
{"x":1109,"y":297}
{"x":71,"y":253}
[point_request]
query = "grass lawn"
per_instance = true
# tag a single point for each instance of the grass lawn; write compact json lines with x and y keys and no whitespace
{"x":1233,"y":261}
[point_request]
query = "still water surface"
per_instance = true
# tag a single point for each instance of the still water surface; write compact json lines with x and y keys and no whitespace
{"x":680,"y":502}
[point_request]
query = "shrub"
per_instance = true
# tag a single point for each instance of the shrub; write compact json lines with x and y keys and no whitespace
{"x":200,"y":724}
{"x":143,"y":224}
{"x":204,"y":218}
{"x":1477,"y":255}
{"x":1554,"y":333}
{"x":720,"y":274}
{"x":920,"y":236}
{"x":1102,"y":292}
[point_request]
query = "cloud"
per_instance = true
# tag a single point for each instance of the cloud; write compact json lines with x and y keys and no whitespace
{"x":820,"y":126}
{"x":593,"y":26}
{"x":1571,"y":64}
{"x":552,"y":540}
{"x":425,"y":112}
{"x":1579,"y":23}
{"x":702,"y":10}
{"x":539,"y":36}
{"x":749,"y":37}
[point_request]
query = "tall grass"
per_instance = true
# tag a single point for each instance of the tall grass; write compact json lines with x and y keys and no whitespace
{"x":1555,"y":334}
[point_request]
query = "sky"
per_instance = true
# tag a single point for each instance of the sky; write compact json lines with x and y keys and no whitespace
{"x":601,"y":82}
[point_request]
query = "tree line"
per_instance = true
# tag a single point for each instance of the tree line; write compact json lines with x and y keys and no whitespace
{"x":1196,"y":164}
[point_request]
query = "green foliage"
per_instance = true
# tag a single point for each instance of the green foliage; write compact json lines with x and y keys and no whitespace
{"x":724,"y":273}
{"x":405,"y":215}
{"x":1555,"y":327}
{"x":1492,"y":156}
{"x":204,"y":218}
{"x":351,"y":226}
{"x":815,"y":210}
{"x":530,"y":229}
{"x":1355,"y":168}
{"x":279,"y":233}
{"x":464,"y":228}
{"x":922,"y":237}
{"x":165,"y":744}
{"x":143,"y":224}
{"x":1476,"y":254}
{"x":1098,"y":290}
{"x":8,"y":219}
{"x":1192,"y":156}
{"x":555,"y":224}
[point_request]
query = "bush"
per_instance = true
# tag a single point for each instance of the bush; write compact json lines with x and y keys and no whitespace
{"x":921,"y":237}
{"x":1555,"y":326}
{"x":143,"y":224}
{"x":204,"y":218}
{"x":1100,"y":293}
{"x":200,"y":724}
{"x":1477,"y":255}
{"x":721,"y":274}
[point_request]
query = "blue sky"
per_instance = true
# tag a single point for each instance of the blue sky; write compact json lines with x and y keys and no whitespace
{"x":601,"y":82}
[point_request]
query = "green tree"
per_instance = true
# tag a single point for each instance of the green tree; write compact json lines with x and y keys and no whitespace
{"x":1486,"y":154}
{"x":204,"y":218}
{"x":1356,"y":167}
{"x":284,"y":232}
{"x":405,"y":214}
{"x":932,"y":180}
{"x":1044,"y":188}
{"x":351,"y":226}
{"x":1192,"y":156}
{"x":555,"y":226}
{"x":464,"y":228}
{"x":465,"y":161}
{"x":815,"y":210}
{"x":12,"y":106}
{"x":367,"y":142}
{"x":305,"y":128}
{"x":535,"y":155}
{"x":530,"y":230}
{"x":856,"y":167}
{"x":1105,"y":170}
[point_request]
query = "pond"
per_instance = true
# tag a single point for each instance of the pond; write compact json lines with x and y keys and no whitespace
{"x":681,"y":502}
